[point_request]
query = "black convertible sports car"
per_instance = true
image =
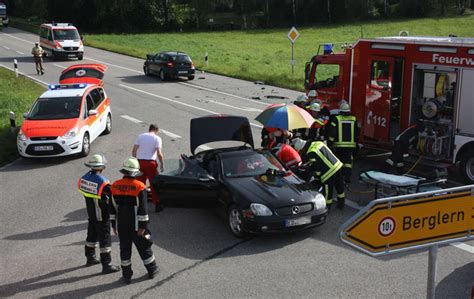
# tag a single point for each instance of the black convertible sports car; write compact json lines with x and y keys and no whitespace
{"x":257,"y":192}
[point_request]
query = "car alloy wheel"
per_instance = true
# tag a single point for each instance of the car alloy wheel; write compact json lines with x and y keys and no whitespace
{"x":162,"y":75}
{"x":235,"y":222}
{"x":86,"y":146}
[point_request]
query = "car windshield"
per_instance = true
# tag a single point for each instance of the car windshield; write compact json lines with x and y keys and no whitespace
{"x":181,"y":59}
{"x":249,"y":165}
{"x":66,"y":34}
{"x":82,"y":72}
{"x":55,"y":108}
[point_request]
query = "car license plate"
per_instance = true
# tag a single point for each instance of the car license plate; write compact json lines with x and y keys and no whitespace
{"x":43,"y":148}
{"x":297,"y":221}
{"x":182,"y":72}
{"x":71,"y":55}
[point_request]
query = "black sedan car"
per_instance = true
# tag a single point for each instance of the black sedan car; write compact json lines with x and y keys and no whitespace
{"x":169,"y":65}
{"x":257,"y":193}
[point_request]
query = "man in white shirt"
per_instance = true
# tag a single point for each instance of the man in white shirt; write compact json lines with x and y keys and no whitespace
{"x":146,"y":149}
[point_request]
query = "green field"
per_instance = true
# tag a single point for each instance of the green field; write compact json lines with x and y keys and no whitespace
{"x":17,"y":95}
{"x":264,"y":55}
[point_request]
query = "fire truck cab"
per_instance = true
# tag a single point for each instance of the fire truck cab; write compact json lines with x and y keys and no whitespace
{"x":394,"y":82}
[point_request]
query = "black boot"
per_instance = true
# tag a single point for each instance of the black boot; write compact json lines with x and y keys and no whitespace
{"x":341,"y":202}
{"x":90,"y":255}
{"x":107,"y":268}
{"x":127,"y":274}
{"x":152,"y":269}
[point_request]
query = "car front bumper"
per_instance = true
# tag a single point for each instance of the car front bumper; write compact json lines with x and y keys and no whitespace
{"x":279,"y":224}
{"x":49,"y":147}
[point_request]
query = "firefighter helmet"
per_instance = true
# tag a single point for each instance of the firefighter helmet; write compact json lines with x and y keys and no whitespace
{"x":312,"y":93}
{"x":302,"y":98}
{"x":131,"y":167}
{"x":298,"y":143}
{"x":344,"y":107}
{"x":96,"y":162}
{"x":315,"y":107}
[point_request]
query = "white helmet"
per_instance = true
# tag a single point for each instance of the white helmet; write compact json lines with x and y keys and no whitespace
{"x":298,"y":143}
{"x":131,"y":167}
{"x":312,"y":93}
{"x":96,"y":162}
{"x":344,"y":107}
{"x":316,"y":107}
{"x":302,"y":98}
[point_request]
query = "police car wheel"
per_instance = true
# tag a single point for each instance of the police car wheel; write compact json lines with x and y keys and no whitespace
{"x":235,"y":222}
{"x":108,"y":125}
{"x":86,"y":145}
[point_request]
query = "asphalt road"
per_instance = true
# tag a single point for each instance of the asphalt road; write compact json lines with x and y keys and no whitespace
{"x":43,"y":223}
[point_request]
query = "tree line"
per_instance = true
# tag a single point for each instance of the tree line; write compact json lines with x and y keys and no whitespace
{"x":166,"y":15}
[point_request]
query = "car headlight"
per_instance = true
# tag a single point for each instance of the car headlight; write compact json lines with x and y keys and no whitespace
{"x":72,"y":133}
{"x":21,"y":136}
{"x":319,"y":201}
{"x":260,"y":210}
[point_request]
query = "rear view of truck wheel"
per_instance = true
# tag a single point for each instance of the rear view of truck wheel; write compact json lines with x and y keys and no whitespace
{"x":466,"y":167}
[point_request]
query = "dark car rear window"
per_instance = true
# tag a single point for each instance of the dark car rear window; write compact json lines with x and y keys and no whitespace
{"x":181,"y":58}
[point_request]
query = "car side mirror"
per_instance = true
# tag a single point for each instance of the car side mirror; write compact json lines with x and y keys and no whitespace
{"x":25,"y":115}
{"x":93,"y":112}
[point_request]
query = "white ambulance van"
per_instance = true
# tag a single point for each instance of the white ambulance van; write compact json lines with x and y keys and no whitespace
{"x":61,"y":40}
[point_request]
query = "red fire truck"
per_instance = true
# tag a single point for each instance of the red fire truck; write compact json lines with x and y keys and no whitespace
{"x":394,"y":82}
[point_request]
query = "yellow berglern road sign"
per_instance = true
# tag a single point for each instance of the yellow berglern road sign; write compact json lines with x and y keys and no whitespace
{"x":412,"y":221}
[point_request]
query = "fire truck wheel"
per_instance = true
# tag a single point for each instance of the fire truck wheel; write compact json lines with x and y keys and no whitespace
{"x":467,"y":168}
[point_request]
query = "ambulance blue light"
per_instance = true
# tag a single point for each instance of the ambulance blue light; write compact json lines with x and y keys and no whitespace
{"x":327,"y":49}
{"x":52,"y":87}
{"x":82,"y":85}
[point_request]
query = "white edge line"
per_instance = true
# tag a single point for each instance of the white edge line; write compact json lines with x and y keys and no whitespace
{"x":169,"y":134}
{"x":23,"y":74}
{"x":23,"y":40}
{"x":132,"y":119}
{"x":21,"y":53}
{"x":6,"y":47}
{"x":464,"y":247}
{"x":223,"y":93}
{"x":59,"y":66}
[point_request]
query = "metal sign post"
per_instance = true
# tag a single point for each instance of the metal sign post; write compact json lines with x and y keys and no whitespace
{"x":413,"y":221}
{"x":293,"y":35}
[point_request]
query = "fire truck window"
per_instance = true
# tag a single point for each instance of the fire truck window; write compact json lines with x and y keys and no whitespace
{"x":327,"y":75}
{"x":379,"y":74}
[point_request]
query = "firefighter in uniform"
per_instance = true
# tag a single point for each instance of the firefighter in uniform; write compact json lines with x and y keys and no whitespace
{"x":343,"y":133}
{"x":37,"y":53}
{"x":321,"y":163}
{"x":130,"y":219}
{"x":96,"y":190}
{"x":317,"y":130}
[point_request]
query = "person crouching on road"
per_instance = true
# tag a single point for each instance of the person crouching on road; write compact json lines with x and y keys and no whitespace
{"x":96,"y":190}
{"x":146,"y":149}
{"x":130,"y":219}
{"x":37,"y":53}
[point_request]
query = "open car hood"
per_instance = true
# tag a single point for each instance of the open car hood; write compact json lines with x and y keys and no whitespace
{"x":83,"y":73}
{"x":220,"y":128}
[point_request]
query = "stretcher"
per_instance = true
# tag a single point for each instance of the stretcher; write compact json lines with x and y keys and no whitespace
{"x":386,"y":184}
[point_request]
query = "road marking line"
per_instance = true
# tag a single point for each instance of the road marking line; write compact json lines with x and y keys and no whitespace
{"x":28,"y":76}
{"x":59,"y":66}
{"x":23,"y":40}
{"x":223,"y":93}
{"x":114,"y":65}
{"x":464,"y":247}
{"x":238,"y":108}
{"x":21,"y":53}
{"x":169,"y":134}
{"x":137,"y":121}
{"x":177,"y":102}
{"x":132,"y":119}
{"x":6,"y":47}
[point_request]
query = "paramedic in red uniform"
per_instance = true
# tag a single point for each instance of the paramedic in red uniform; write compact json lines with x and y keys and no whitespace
{"x":288,"y":155}
{"x":146,"y":149}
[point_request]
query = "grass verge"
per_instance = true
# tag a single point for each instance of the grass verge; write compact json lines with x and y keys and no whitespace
{"x":17,"y":95}
{"x":264,"y":55}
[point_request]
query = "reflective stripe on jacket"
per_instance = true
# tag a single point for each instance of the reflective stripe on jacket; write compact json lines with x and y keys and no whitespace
{"x":343,"y":129}
{"x":329,"y":163}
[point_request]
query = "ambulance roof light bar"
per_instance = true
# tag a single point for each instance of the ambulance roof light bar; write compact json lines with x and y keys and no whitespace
{"x":66,"y":86}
